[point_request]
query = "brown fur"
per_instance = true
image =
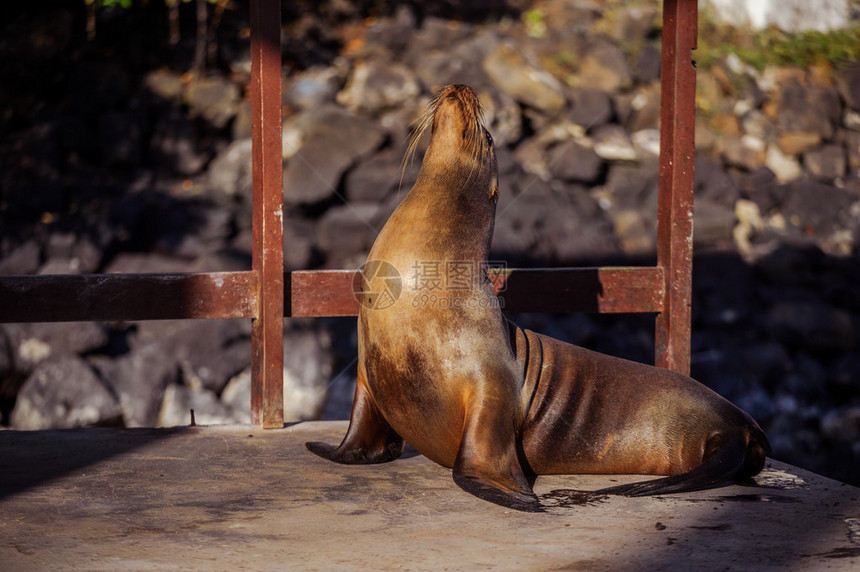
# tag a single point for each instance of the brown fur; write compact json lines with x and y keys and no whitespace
{"x":499,"y":404}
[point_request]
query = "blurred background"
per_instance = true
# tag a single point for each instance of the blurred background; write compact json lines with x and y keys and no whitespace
{"x":125,"y":147}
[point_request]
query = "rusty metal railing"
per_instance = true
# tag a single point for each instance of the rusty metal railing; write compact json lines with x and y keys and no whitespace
{"x":266,"y":293}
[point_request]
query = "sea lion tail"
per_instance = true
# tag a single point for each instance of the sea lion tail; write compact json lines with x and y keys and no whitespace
{"x":731,"y":460}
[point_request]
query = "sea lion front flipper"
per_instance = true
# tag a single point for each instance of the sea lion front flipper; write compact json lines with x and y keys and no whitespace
{"x":369,"y":439}
{"x":727,"y":461}
{"x":487,"y":463}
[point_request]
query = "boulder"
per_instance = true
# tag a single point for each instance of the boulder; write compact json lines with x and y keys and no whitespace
{"x":572,"y":161}
{"x":62,"y":394}
{"x":590,"y":108}
{"x":826,"y":163}
{"x":214,"y":99}
{"x":378,"y":85}
{"x":812,"y":109}
{"x":180,"y":401}
{"x":346,"y":231}
{"x":513,"y":73}
{"x":605,"y":67}
{"x":312,"y":88}
{"x":848,"y":82}
{"x":230,"y":171}
{"x":333,"y":141}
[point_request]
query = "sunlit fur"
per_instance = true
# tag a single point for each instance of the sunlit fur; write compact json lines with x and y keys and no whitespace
{"x":476,"y":139}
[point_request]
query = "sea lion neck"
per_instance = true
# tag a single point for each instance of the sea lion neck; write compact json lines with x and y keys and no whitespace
{"x":456,"y":189}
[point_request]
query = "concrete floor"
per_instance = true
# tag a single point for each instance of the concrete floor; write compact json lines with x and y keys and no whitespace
{"x":239,"y":498}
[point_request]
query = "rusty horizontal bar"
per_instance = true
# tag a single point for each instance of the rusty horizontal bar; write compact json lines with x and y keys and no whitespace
{"x":320,"y":293}
{"x":607,"y":290}
{"x":309,"y":293}
{"x":108,"y":297}
{"x":604,"y":290}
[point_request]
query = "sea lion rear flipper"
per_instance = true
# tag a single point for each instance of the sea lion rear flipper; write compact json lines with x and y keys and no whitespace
{"x":487,"y":463}
{"x":726,"y":463}
{"x":369,"y":439}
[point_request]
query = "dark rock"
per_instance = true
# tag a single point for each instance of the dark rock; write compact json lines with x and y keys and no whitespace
{"x":308,"y":363}
{"x":224,"y":260}
{"x":826,"y":163}
{"x":605,"y":67}
{"x":458,"y":63}
{"x":243,"y":123}
{"x":503,"y":118}
{"x":852,"y":146}
{"x":747,"y":152}
{"x":436,"y":34}
{"x":612,"y":143}
{"x":758,"y":125}
{"x":139,"y":379}
{"x":312,"y":88}
{"x":165,"y":85}
{"x":64,"y":394}
{"x":813,"y":325}
{"x":814,"y":109}
{"x":334,"y":140}
{"x":713,"y":223}
{"x":307,"y":371}
{"x":23,"y":258}
{"x":816,"y":209}
{"x":590,"y":108}
{"x":633,"y":187}
{"x":206,"y":232}
{"x":572,"y":161}
{"x":230,"y":171}
{"x":647,"y":66}
{"x":842,"y":424}
{"x":346,"y":231}
{"x":120,"y":137}
{"x":848,"y":81}
{"x":639,"y":110}
{"x":214,"y":99}
{"x":846,"y":376}
{"x":175,"y":144}
{"x":544,"y":225}
{"x":713,"y":182}
{"x":511,"y":72}
{"x":723,"y":291}
{"x":30,"y":345}
{"x":96,"y":86}
{"x":394,"y":33}
{"x":299,"y":244}
{"x":747,"y":182}
{"x":375,"y":179}
{"x":179,"y":401}
{"x":375,"y":86}
{"x":211,"y":353}
{"x":634,"y":24}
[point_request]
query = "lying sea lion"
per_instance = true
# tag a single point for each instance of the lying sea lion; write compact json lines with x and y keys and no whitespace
{"x":441,"y":368}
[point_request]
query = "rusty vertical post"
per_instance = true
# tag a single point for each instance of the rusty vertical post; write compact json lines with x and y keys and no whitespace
{"x":675,"y":207}
{"x":267,"y":388}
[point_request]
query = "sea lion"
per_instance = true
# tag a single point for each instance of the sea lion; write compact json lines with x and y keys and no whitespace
{"x":441,"y":368}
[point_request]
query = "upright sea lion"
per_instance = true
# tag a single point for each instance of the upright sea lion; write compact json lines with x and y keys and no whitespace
{"x":441,"y":368}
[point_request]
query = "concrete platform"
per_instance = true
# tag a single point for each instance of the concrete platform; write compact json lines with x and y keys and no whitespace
{"x":239,"y":498}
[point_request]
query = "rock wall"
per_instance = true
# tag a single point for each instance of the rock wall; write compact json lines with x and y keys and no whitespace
{"x":118,"y":160}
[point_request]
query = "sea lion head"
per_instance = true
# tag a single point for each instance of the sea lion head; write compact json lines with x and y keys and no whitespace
{"x":460,"y":145}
